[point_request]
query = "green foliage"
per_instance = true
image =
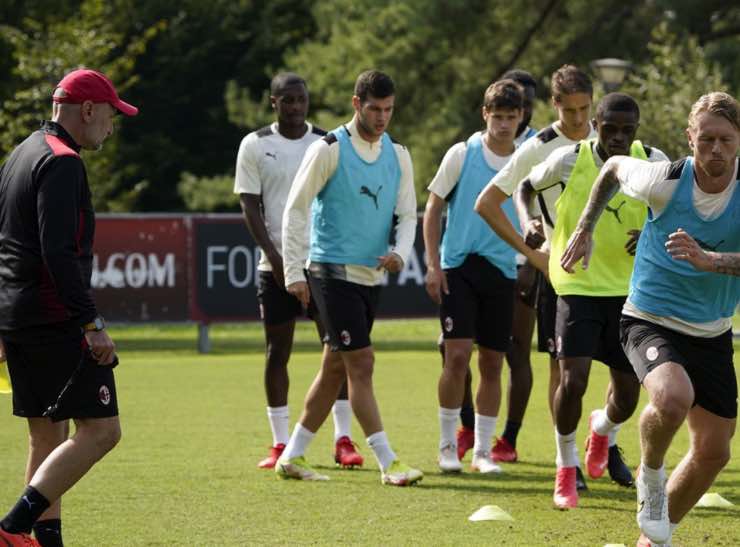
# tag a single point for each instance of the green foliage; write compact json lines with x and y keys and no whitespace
{"x":44,"y":50}
{"x":208,"y":194}
{"x":668,"y":84}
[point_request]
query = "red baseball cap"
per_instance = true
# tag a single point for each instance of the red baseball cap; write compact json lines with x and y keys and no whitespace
{"x":88,"y":85}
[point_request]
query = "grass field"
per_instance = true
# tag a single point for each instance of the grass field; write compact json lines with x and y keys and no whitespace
{"x":194,"y":427}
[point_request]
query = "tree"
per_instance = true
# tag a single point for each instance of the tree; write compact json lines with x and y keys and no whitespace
{"x":46,"y":49}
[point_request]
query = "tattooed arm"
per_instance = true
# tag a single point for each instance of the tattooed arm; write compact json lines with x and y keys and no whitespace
{"x":682,"y":246}
{"x":580,"y":244}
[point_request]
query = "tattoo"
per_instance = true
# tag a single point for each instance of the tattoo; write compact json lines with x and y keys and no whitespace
{"x":726,"y":263}
{"x":604,"y":188}
{"x":523,"y":197}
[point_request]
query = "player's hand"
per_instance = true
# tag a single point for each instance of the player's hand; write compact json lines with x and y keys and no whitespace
{"x":300,"y":290}
{"x":391,"y":262}
{"x":101,"y":346}
{"x":682,"y":246}
{"x":3,"y":357}
{"x":631,"y":244}
{"x":541,"y":261}
{"x":277,"y":270}
{"x":534,"y":234}
{"x":580,"y":246}
{"x":436,"y":284}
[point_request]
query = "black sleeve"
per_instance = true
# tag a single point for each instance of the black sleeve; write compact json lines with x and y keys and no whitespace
{"x":61,"y":195}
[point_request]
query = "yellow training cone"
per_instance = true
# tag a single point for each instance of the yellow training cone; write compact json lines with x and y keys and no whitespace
{"x":713,"y":500}
{"x":4,"y":379}
{"x":490,"y":512}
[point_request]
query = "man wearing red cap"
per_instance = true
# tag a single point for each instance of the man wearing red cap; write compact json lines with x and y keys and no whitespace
{"x":60,"y":358}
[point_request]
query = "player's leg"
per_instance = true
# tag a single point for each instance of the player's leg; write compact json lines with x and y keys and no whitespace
{"x":520,"y":376}
{"x":493,"y":325}
{"x":278,"y":310}
{"x":465,"y":436}
{"x":577,"y":329}
{"x":345,"y":453}
{"x":456,"y":314}
{"x":44,"y":436}
{"x":623,"y":394}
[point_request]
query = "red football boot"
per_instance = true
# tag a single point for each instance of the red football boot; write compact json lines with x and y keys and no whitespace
{"x":565,"y":495}
{"x":465,"y":441}
{"x":275,"y":452}
{"x":502,"y":451}
{"x":345,"y":453}
{"x":597,"y":450}
{"x":17,"y":540}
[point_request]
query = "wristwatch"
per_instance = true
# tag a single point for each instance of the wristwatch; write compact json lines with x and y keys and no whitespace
{"x":95,"y":325}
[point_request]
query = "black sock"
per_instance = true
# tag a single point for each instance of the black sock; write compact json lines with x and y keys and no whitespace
{"x":26,"y":511}
{"x":48,"y":532}
{"x":511,"y":431}
{"x":467,"y":417}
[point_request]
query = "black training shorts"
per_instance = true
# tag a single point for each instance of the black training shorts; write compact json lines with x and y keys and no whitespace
{"x":547,"y":307}
{"x":588,"y":326}
{"x":480,"y":304}
{"x":40,"y":370}
{"x":707,"y":361}
{"x":347,"y":310}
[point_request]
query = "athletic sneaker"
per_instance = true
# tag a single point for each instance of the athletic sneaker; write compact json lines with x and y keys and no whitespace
{"x":565,"y":495}
{"x":483,"y":463}
{"x":465,"y":441}
{"x":597,"y":450}
{"x":297,"y":468}
{"x":618,"y":470}
{"x":652,"y":510}
{"x":448,"y":460}
{"x":581,"y":485}
{"x":645,"y":542}
{"x":17,"y":540}
{"x":400,"y":474}
{"x":345,"y":453}
{"x":275,"y":453}
{"x":502,"y":451}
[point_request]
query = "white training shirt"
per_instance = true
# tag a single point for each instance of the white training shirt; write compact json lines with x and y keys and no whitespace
{"x":552,"y":174}
{"x":532,"y":152}
{"x":651,"y":185}
{"x":451,"y":167}
{"x":318,"y":166}
{"x":266,"y":165}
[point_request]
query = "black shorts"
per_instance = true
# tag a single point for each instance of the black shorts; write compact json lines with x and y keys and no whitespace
{"x":527,"y":281}
{"x":707,"y":361}
{"x":588,"y":326}
{"x":347,"y":310}
{"x":40,"y":370}
{"x":276,"y":304}
{"x":480,"y":304}
{"x":547,"y":307}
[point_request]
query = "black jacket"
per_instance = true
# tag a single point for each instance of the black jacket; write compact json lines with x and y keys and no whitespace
{"x":47,"y":225}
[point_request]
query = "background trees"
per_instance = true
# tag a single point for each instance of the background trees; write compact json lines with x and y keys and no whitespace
{"x":199,"y":71}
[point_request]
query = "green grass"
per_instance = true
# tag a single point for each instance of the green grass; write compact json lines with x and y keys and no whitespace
{"x":194,"y":427}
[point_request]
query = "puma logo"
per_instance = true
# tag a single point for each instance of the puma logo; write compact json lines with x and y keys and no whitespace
{"x":706,"y":246}
{"x":616,"y":211}
{"x":29,"y":502}
{"x":364,"y":190}
{"x":270,"y":154}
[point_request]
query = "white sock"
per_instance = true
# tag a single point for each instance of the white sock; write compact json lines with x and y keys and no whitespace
{"x":601,"y":423}
{"x":299,"y":441}
{"x":447,"y":426}
{"x":342,"y":413}
{"x":279,"y":418}
{"x":613,"y":434}
{"x":382,"y":449}
{"x":484,"y":429}
{"x":652,"y":476}
{"x":567,"y":453}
